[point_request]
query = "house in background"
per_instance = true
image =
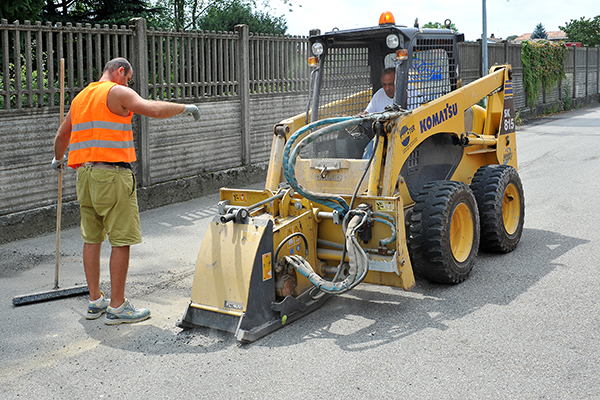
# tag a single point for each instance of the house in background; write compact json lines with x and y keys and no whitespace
{"x":553,"y":36}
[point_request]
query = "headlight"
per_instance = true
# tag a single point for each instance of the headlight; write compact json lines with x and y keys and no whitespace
{"x":392,"y":41}
{"x":317,"y":48}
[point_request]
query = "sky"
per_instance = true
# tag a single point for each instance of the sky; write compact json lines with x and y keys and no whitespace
{"x":504,"y":17}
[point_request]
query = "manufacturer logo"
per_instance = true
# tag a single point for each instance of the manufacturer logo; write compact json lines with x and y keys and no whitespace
{"x":507,"y":156}
{"x":405,"y":134}
{"x":329,"y":177}
{"x":234,"y":305}
{"x":437,"y":118}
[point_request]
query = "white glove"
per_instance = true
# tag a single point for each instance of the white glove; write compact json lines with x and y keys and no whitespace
{"x":57,"y":164}
{"x":193,"y":111}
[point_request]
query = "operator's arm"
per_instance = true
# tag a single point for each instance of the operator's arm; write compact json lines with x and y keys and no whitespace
{"x":122,"y":99}
{"x":63,"y":136}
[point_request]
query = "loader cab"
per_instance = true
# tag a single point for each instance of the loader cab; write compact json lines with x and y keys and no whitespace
{"x":347,"y":73}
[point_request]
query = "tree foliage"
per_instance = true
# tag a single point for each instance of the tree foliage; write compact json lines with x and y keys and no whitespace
{"x":543,"y":66}
{"x":220,"y":15}
{"x":21,"y":10}
{"x":239,"y":12}
{"x":586,"y":31}
{"x":439,"y":25}
{"x":539,"y":32}
{"x":112,"y":12}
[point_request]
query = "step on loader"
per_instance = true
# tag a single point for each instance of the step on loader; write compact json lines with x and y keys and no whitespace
{"x":351,"y":197}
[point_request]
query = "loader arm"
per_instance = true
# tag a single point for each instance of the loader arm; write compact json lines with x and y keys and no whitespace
{"x":446,"y":114}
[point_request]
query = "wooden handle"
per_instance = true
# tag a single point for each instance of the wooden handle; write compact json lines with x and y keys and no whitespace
{"x":60,"y":172}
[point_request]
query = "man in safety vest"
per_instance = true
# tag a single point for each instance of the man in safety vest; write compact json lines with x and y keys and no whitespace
{"x":97,"y":130}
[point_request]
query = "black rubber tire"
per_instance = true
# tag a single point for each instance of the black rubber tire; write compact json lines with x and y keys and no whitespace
{"x":494,"y":186}
{"x":431,"y":232}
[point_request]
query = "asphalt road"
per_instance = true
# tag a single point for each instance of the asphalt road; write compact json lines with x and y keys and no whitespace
{"x":525,"y":325}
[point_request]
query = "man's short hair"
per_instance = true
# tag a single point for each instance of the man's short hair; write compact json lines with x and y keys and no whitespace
{"x":386,"y":71}
{"x":117,"y":63}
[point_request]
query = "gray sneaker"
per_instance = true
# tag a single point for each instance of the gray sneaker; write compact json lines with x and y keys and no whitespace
{"x":129,"y":314}
{"x":95,"y":311}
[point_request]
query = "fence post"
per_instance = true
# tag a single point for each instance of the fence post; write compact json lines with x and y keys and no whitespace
{"x":243,"y":74}
{"x":597,"y":69}
{"x":587,"y":68}
{"x":574,"y":94}
{"x":139,"y":63}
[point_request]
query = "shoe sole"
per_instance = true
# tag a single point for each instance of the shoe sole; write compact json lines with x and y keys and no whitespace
{"x":94,"y":315}
{"x":125,"y":321}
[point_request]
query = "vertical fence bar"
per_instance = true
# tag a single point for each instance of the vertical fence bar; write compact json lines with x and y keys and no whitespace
{"x":221,"y":58}
{"x":124,"y":48}
{"x":106,"y":40}
{"x":17,"y":62}
{"x":213,"y":57}
{"x":5,"y":65}
{"x":189,"y":81}
{"x":182,"y":64}
{"x":28,"y":62}
{"x":174,"y":66}
{"x":232,"y":63}
{"x":202,"y":65}
{"x":115,"y":43}
{"x":168,"y":65}
{"x":161,"y":66}
{"x":80,"y":79}
{"x":196,"y":68}
{"x":39,"y":66}
{"x":98,"y":47}
{"x":153,"y":82}
{"x":89,"y":47}
{"x":50,"y":63}
{"x":70,"y":67}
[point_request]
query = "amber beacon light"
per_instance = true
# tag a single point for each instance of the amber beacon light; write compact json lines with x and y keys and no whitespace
{"x":387,"y":18}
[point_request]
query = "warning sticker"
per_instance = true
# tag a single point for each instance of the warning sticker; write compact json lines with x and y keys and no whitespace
{"x":383,"y":205}
{"x":267,"y":271}
{"x":240,"y":198}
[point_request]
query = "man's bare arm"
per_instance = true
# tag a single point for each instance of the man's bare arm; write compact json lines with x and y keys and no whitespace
{"x":122,"y":99}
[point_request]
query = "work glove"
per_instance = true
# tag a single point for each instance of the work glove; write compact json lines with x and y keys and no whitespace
{"x":58,"y":164}
{"x":193,"y":111}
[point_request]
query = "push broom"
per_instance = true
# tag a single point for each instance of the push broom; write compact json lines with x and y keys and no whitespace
{"x":56,"y":292}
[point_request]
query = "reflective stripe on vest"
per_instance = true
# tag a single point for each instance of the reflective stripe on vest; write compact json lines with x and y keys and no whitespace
{"x":115,"y":126}
{"x":97,"y":134}
{"x":106,"y":144}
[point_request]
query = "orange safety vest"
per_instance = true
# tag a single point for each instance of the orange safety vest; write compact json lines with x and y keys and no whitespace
{"x":97,"y":134}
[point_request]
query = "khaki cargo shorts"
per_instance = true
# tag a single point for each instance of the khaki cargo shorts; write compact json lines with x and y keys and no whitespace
{"x":108,"y":203}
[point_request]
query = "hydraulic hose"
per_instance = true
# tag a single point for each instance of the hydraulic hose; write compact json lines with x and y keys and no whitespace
{"x":359,"y":262}
{"x":289,"y":160}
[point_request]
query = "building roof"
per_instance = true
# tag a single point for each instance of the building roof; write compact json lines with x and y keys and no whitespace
{"x":552,"y":36}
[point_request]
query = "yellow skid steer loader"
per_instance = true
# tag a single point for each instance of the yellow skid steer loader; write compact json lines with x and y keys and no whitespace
{"x":353,"y":197}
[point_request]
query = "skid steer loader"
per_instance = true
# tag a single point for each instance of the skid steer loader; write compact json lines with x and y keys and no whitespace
{"x":439,"y":183}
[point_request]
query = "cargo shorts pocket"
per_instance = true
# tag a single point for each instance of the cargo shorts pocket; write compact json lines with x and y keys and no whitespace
{"x":103,"y":188}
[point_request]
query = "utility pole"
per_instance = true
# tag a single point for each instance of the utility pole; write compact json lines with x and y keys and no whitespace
{"x":484,"y":47}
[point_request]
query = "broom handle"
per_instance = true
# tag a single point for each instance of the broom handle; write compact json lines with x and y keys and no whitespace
{"x":60,"y":172}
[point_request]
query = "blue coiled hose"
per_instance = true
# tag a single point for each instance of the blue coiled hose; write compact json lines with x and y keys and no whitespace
{"x":334,"y":202}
